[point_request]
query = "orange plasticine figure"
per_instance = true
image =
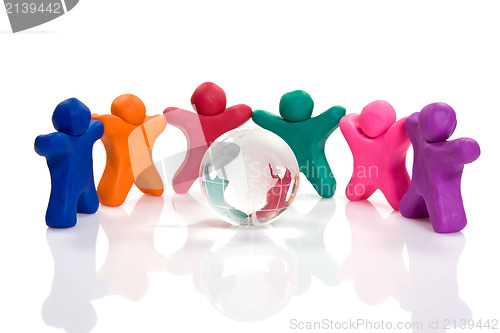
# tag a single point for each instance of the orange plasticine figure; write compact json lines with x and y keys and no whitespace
{"x":129,"y":136}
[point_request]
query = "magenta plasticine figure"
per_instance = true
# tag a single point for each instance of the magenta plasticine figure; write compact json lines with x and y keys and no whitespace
{"x":379,"y":145}
{"x":437,"y":168}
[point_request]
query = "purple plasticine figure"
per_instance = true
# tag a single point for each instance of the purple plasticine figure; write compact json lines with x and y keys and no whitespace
{"x":437,"y":168}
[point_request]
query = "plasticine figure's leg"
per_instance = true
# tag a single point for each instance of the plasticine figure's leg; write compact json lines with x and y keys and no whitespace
{"x":114,"y":186}
{"x":189,"y":171}
{"x":88,"y":202}
{"x":61,"y":212}
{"x":447,"y":213}
{"x":150,"y":182}
{"x":357,"y":190}
{"x":395,"y":189}
{"x":320,"y":175}
{"x":413,"y":205}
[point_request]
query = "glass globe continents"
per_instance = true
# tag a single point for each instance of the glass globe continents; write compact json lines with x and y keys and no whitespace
{"x":249,"y":176}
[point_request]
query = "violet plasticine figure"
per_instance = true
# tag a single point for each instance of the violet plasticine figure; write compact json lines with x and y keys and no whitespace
{"x":437,"y":168}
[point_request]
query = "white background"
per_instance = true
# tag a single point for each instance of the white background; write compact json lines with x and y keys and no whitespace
{"x":345,"y":53}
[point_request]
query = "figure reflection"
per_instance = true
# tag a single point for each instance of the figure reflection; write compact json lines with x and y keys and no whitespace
{"x":433,"y":292}
{"x":75,"y":282}
{"x":375,"y":262}
{"x":131,"y":254}
{"x":250,"y":274}
{"x":428,"y":288}
{"x":309,"y":244}
{"x":198,"y":219}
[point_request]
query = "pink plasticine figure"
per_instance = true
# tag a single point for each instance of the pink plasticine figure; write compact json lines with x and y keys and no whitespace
{"x":210,"y":121}
{"x":379,"y":144}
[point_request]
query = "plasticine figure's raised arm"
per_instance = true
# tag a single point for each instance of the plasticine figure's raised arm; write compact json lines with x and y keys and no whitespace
{"x":267,"y":120}
{"x":96,"y":130}
{"x":233,"y":117}
{"x":412,"y":128}
{"x":104,"y":118}
{"x":330,"y":120}
{"x":349,"y":126}
{"x":397,"y":134}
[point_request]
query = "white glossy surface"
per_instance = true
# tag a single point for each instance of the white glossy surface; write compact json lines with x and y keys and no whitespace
{"x":169,"y":264}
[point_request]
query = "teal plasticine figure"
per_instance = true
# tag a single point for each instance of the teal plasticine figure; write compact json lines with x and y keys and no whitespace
{"x":306,"y":136}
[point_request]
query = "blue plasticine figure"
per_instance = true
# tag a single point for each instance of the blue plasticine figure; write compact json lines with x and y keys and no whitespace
{"x":69,"y":158}
{"x":306,"y":136}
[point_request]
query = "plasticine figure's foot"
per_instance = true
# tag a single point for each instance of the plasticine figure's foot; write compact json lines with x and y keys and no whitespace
{"x":156,"y":193}
{"x":449,"y":223}
{"x":325,"y":187}
{"x":182,"y":188}
{"x":112,"y":199}
{"x":356,"y":191}
{"x":413,"y":206}
{"x":149,"y":181}
{"x":60,"y":219}
{"x":448,"y":228}
{"x":88,"y":203}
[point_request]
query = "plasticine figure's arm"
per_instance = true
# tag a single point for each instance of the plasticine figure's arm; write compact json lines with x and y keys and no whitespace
{"x":180,"y":118}
{"x":349,"y":127}
{"x":412,"y":129}
{"x":397,"y":133}
{"x":267,"y":120}
{"x":96,"y":130}
{"x":466,"y":150}
{"x":332,"y":116}
{"x":50,"y":144}
{"x":102,"y":117}
{"x":329,"y":120}
{"x":154,"y":126}
{"x":108,"y":120}
{"x":233,"y":117}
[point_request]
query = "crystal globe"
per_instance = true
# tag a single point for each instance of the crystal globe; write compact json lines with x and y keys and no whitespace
{"x":249,"y":176}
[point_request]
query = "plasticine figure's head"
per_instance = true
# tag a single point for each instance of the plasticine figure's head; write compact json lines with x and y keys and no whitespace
{"x":376,"y":118}
{"x":209,"y":99}
{"x":437,"y":122}
{"x":129,"y":108}
{"x":296,"y":106}
{"x":71,"y":117}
